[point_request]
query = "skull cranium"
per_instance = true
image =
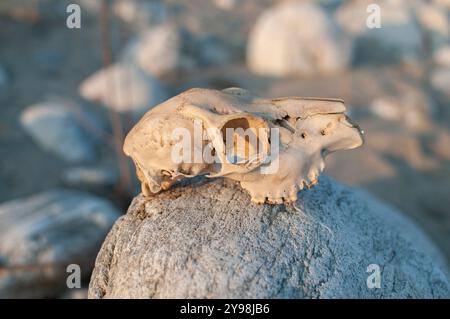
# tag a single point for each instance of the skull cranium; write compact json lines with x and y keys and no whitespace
{"x":237,"y":131}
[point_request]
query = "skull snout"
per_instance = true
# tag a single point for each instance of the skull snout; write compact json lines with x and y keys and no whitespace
{"x":349,"y":136}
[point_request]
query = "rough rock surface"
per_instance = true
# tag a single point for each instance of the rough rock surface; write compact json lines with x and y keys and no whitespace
{"x":296,"y":38}
{"x":42,"y":234}
{"x":209,"y":241}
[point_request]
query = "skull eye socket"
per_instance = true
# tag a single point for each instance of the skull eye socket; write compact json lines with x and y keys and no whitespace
{"x":243,"y":138}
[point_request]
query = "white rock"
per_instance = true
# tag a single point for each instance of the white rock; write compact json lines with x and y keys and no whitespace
{"x":398,"y":39}
{"x":442,"y":57}
{"x":156,"y":50}
{"x":440,"y":81}
{"x":296,"y":37}
{"x":42,"y":234}
{"x":140,"y":13}
{"x":210,"y":241}
{"x":58,"y":128}
{"x":123,"y":88}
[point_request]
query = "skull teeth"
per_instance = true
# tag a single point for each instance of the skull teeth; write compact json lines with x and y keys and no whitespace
{"x":283,"y":196}
{"x":258,"y":200}
{"x":275,"y":200}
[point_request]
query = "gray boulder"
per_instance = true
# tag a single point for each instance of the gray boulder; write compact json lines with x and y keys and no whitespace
{"x":209,"y":241}
{"x":41,"y":235}
{"x":58,"y":128}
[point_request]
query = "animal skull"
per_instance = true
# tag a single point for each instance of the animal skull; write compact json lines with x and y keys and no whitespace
{"x":234,"y":133}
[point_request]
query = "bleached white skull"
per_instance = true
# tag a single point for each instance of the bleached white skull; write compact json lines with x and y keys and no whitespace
{"x":274,"y":147}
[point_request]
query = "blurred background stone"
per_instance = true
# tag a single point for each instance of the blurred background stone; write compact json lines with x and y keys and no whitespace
{"x":444,"y":4}
{"x":42,"y":234}
{"x":57,"y":128}
{"x":435,"y":23}
{"x":442,"y":56}
{"x":296,"y":38}
{"x":226,"y":4}
{"x":124,"y":88}
{"x":157,"y":50}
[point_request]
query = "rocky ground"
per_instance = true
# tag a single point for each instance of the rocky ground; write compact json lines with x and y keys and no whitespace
{"x":55,"y":126}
